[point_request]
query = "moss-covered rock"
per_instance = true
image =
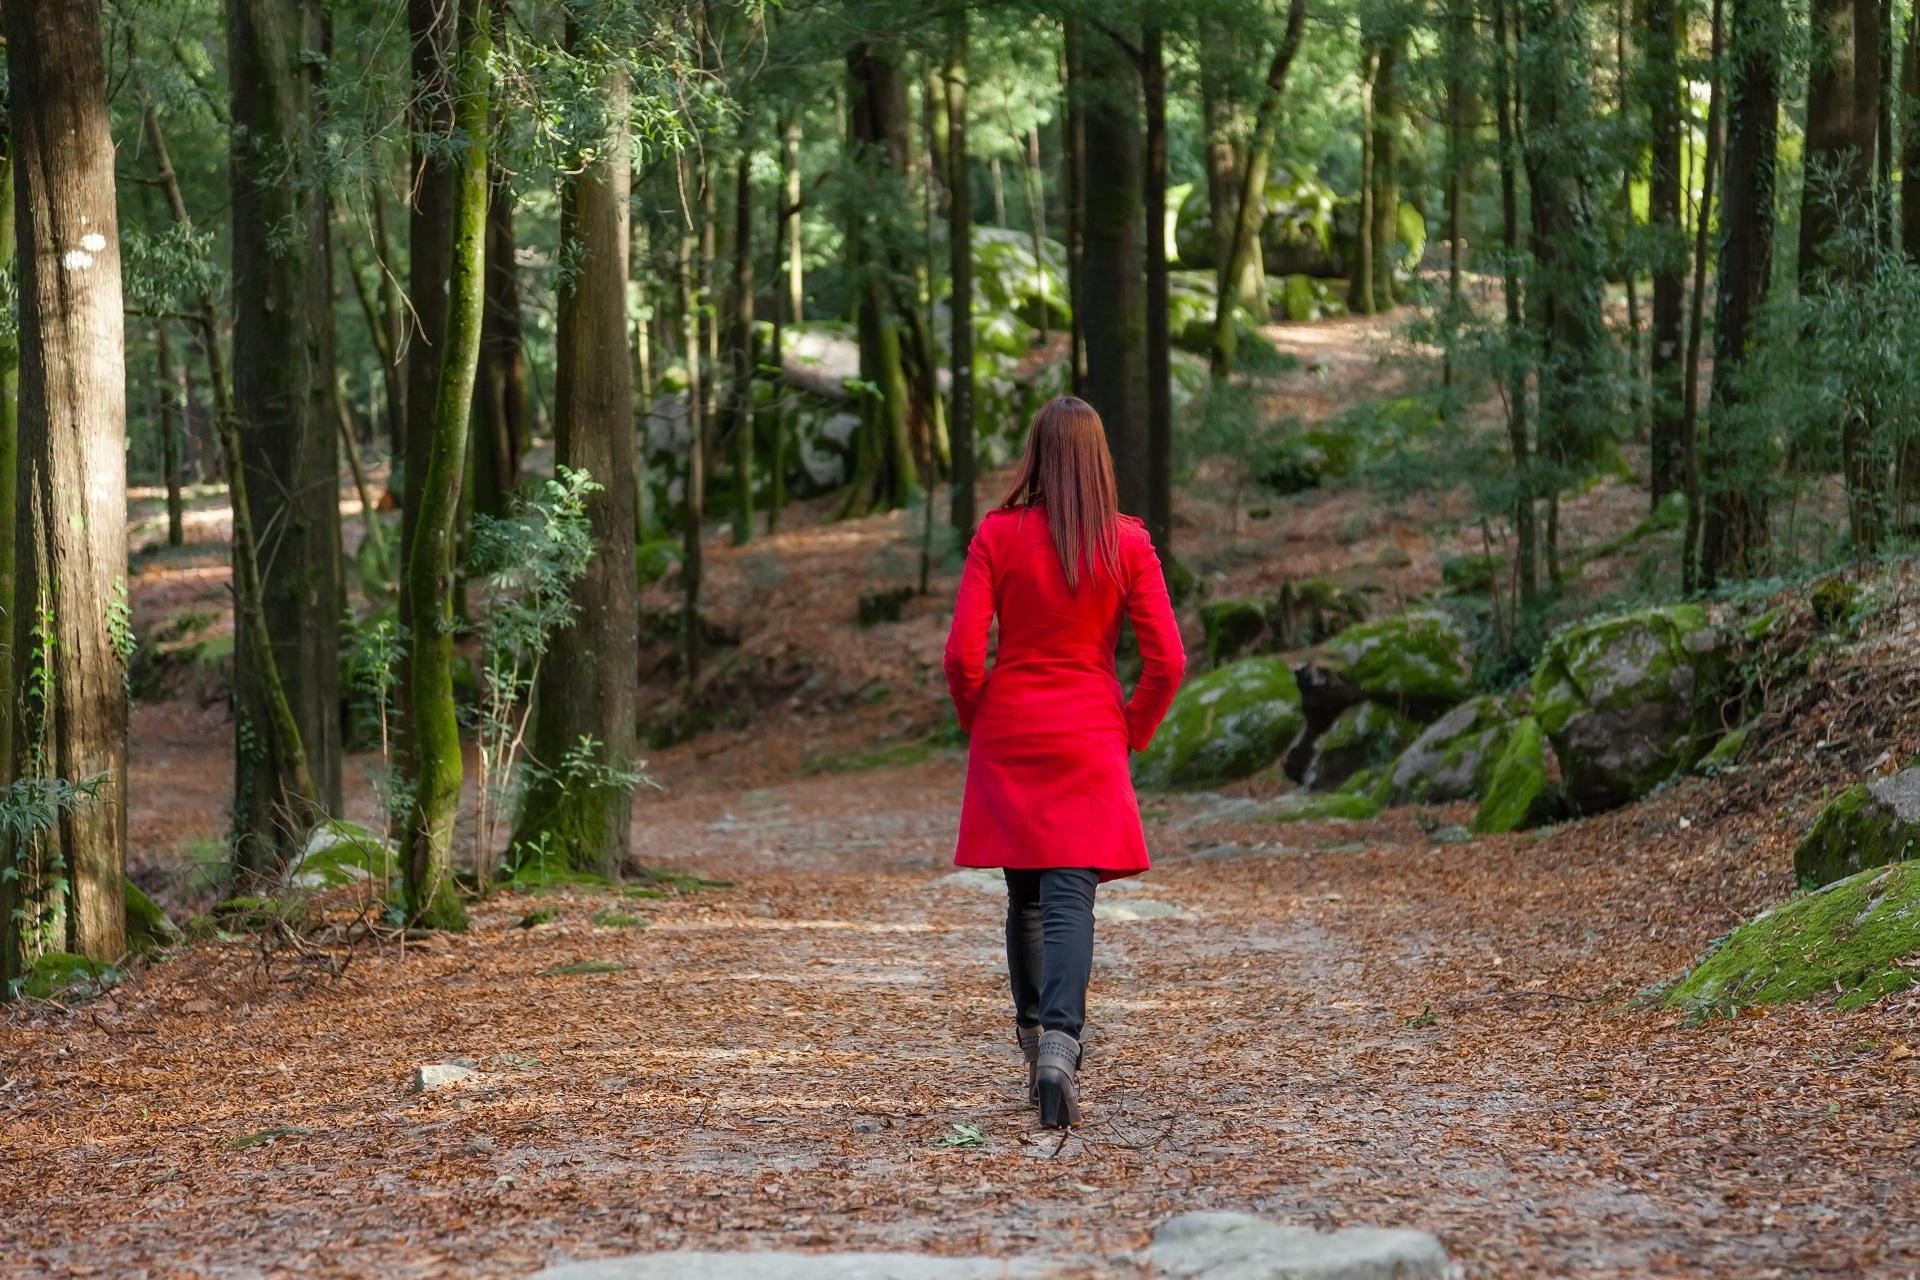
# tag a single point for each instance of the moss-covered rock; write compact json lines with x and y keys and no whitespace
{"x":1333,"y":806}
{"x":1235,"y":628}
{"x":1519,"y":791}
{"x":60,"y":974}
{"x":1454,"y":757}
{"x":1832,"y":600}
{"x":654,"y":559}
{"x":1364,"y":736}
{"x":1415,"y":662}
{"x":1870,"y":824}
{"x":1853,"y":939}
{"x":148,"y":928}
{"x":1631,"y":700}
{"x":340,"y":853}
{"x":1225,"y":724}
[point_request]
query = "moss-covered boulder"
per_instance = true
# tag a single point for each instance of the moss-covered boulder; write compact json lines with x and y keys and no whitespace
{"x":1225,"y":724}
{"x":1519,"y":791}
{"x":1870,"y":824}
{"x":1631,"y":700}
{"x":341,"y":853}
{"x":148,"y":928}
{"x":1364,"y":736}
{"x":1853,"y":940}
{"x":1415,"y":662}
{"x":1235,"y":628}
{"x":62,"y":974}
{"x":1454,"y":757}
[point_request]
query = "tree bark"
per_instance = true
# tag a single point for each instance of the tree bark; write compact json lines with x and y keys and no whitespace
{"x":1159,"y":351}
{"x":1696,"y":319}
{"x":1910,"y":139}
{"x":1361,"y":297}
{"x":1247,"y":209}
{"x":1116,"y":320}
{"x":1519,"y":427}
{"x":1664,"y":358}
{"x":500,"y":398}
{"x":434,"y":491}
{"x":1736,"y":517}
{"x":69,"y":711}
{"x":283,"y":413}
{"x":169,"y":418}
{"x":1389,"y":120}
{"x":1830,"y":132}
{"x":1073,"y":161}
{"x":959,"y":180}
{"x":741,"y":389}
{"x":588,"y":683}
{"x":694,"y":478}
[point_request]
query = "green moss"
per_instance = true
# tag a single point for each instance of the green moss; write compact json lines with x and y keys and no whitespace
{"x":1375,"y":782}
{"x":1454,"y":758}
{"x":1234,"y":628}
{"x":1415,"y":662}
{"x":1364,"y":736}
{"x":654,"y":560}
{"x":537,"y":917}
{"x":580,"y":968}
{"x":614,"y":918}
{"x":1726,"y":752}
{"x":1832,"y":600}
{"x":1862,"y":827}
{"x":1847,"y":940}
{"x":1519,"y":794}
{"x":899,"y":754}
{"x":1339,"y":806}
{"x":1226,"y":724}
{"x":59,"y":974}
{"x":148,"y":927}
{"x":685,"y":882}
{"x":340,"y":853}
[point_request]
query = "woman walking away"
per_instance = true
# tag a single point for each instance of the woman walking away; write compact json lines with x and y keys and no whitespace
{"x":1049,"y":798}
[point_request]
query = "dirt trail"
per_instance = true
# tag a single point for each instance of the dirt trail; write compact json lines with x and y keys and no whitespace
{"x":1344,"y":1024}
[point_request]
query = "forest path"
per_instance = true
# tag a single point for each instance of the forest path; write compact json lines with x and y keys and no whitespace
{"x":1341,"y":1024}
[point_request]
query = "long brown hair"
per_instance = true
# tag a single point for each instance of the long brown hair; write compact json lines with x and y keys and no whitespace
{"x":1067,"y":471}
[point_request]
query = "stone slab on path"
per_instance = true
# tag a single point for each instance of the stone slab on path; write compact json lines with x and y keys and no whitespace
{"x":1240,"y":1246}
{"x":1117,"y":901}
{"x":797,"y":1266}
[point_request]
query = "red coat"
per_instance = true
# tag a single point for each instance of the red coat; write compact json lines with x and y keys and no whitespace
{"x":1047,"y":780}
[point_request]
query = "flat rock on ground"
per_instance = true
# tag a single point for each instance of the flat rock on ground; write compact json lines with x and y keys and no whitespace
{"x":794,"y":1266}
{"x":1240,"y":1246}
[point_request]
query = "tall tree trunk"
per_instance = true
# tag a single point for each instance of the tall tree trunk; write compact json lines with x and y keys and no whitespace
{"x":1253,"y":180}
{"x":1629,"y":257}
{"x":1736,"y":513}
{"x":792,"y":227}
{"x":1159,"y":351}
{"x":1519,"y":426}
{"x":694,"y":478}
{"x":787,"y":301}
{"x":960,"y":268}
{"x":1664,"y":360}
{"x":1073,"y":162}
{"x":1696,"y":319}
{"x":1862,"y":455}
{"x":500,"y":394}
{"x":1910,"y":139}
{"x":1362,"y":299}
{"x":588,"y":685}
{"x":12,"y":951}
{"x":393,"y":311}
{"x":1116,"y":321}
{"x":283,"y":412}
{"x":169,"y":412}
{"x":63,"y":890}
{"x":1830,"y":132}
{"x":741,"y":388}
{"x":437,"y":765}
{"x":1389,"y":120}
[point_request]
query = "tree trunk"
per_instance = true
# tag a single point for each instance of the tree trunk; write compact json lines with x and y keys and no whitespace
{"x":1862,"y":455}
{"x":393,"y":311}
{"x":10,"y":944}
{"x":1696,"y":319}
{"x":1159,"y":352}
{"x":1073,"y":161}
{"x":283,"y":413}
{"x":500,"y":396}
{"x":694,"y":479}
{"x":1361,"y":296}
{"x":169,"y":411}
{"x":1247,"y":209}
{"x":1910,"y":139}
{"x":960,"y":267}
{"x":434,"y":490}
{"x":1664,"y":361}
{"x":588,"y":684}
{"x":1388,"y":123}
{"x":1736,"y":514}
{"x":741,"y":389}
{"x":1830,"y":133}
{"x":63,"y":890}
{"x":1519,"y":427}
{"x":1116,"y":321}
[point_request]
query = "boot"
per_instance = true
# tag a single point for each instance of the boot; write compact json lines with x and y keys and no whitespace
{"x":1029,"y":1038}
{"x":1057,"y":1064}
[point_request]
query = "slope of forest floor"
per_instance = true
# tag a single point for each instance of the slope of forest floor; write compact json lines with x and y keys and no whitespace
{"x":1335,"y":1023}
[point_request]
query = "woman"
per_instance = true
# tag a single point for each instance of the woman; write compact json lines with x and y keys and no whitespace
{"x":1048,"y":797}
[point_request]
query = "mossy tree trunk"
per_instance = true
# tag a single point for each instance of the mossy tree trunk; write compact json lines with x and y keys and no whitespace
{"x":169,"y":415}
{"x":1830,"y":133}
{"x":283,"y":415}
{"x":9,"y":470}
{"x":500,"y":393}
{"x":1253,"y":179}
{"x":435,"y":737}
{"x":1360,"y":291}
{"x":64,"y":889}
{"x":693,"y":501}
{"x":1159,"y":513}
{"x":959,"y":179}
{"x":1735,"y":529}
{"x":588,"y":684}
{"x":1389,"y":121}
{"x":1113,"y":292}
{"x":740,"y":390}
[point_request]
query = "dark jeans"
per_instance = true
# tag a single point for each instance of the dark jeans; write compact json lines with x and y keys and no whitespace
{"x":1050,"y":945}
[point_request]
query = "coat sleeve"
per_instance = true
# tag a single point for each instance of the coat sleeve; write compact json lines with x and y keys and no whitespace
{"x":966,"y":657}
{"x":1163,"y":661}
